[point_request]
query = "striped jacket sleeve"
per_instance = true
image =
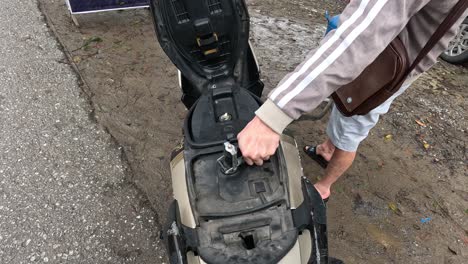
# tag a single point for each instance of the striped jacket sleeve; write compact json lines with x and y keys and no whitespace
{"x":366,"y":29}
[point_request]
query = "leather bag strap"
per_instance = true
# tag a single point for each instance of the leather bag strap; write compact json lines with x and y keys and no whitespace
{"x":457,"y":11}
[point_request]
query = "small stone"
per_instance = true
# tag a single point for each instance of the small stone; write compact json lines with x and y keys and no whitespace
{"x":26,"y":243}
{"x":46,"y":259}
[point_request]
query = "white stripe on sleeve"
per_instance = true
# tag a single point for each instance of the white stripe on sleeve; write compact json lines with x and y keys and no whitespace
{"x":335,"y":55}
{"x":336,"y":36}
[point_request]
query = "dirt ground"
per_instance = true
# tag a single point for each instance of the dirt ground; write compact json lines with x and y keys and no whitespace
{"x":405,"y":200}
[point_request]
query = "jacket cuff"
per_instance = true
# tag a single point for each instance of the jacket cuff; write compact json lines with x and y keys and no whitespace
{"x":273,"y":116}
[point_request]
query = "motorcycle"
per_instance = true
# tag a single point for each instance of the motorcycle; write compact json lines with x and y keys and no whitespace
{"x":223,"y":210}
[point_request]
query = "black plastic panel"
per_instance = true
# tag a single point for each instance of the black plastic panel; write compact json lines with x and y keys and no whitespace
{"x":250,"y":189}
{"x":242,"y":217}
{"x":180,"y":12}
{"x":204,"y":125}
{"x":215,"y":6}
{"x":208,"y":42}
{"x":204,"y":39}
{"x":265,"y":237}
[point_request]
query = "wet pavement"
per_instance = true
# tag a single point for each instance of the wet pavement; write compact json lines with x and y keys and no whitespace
{"x":65,"y":193}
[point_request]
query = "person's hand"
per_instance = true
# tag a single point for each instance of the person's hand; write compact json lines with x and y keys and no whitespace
{"x":257,"y":142}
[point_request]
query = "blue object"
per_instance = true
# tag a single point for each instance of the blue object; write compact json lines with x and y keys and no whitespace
{"x":426,"y":220}
{"x":333,"y":22}
{"x":87,"y":6}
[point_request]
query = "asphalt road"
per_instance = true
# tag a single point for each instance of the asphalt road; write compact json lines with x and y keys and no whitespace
{"x":65,"y":195}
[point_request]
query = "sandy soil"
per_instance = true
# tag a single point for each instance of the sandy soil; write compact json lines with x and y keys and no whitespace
{"x":405,"y":200}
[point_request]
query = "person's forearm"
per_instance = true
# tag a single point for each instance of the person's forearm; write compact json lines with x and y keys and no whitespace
{"x":273,"y":116}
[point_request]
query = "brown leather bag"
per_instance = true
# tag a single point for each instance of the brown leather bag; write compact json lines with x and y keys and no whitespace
{"x":385,"y":76}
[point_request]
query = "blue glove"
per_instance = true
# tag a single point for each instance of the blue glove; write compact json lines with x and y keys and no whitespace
{"x":332,"y":22}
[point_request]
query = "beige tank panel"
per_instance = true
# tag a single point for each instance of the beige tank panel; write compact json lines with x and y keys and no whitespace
{"x":192,"y":259}
{"x":305,"y":245}
{"x":300,"y":252}
{"x":179,"y":184}
{"x":293,"y":256}
{"x":294,"y":168}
